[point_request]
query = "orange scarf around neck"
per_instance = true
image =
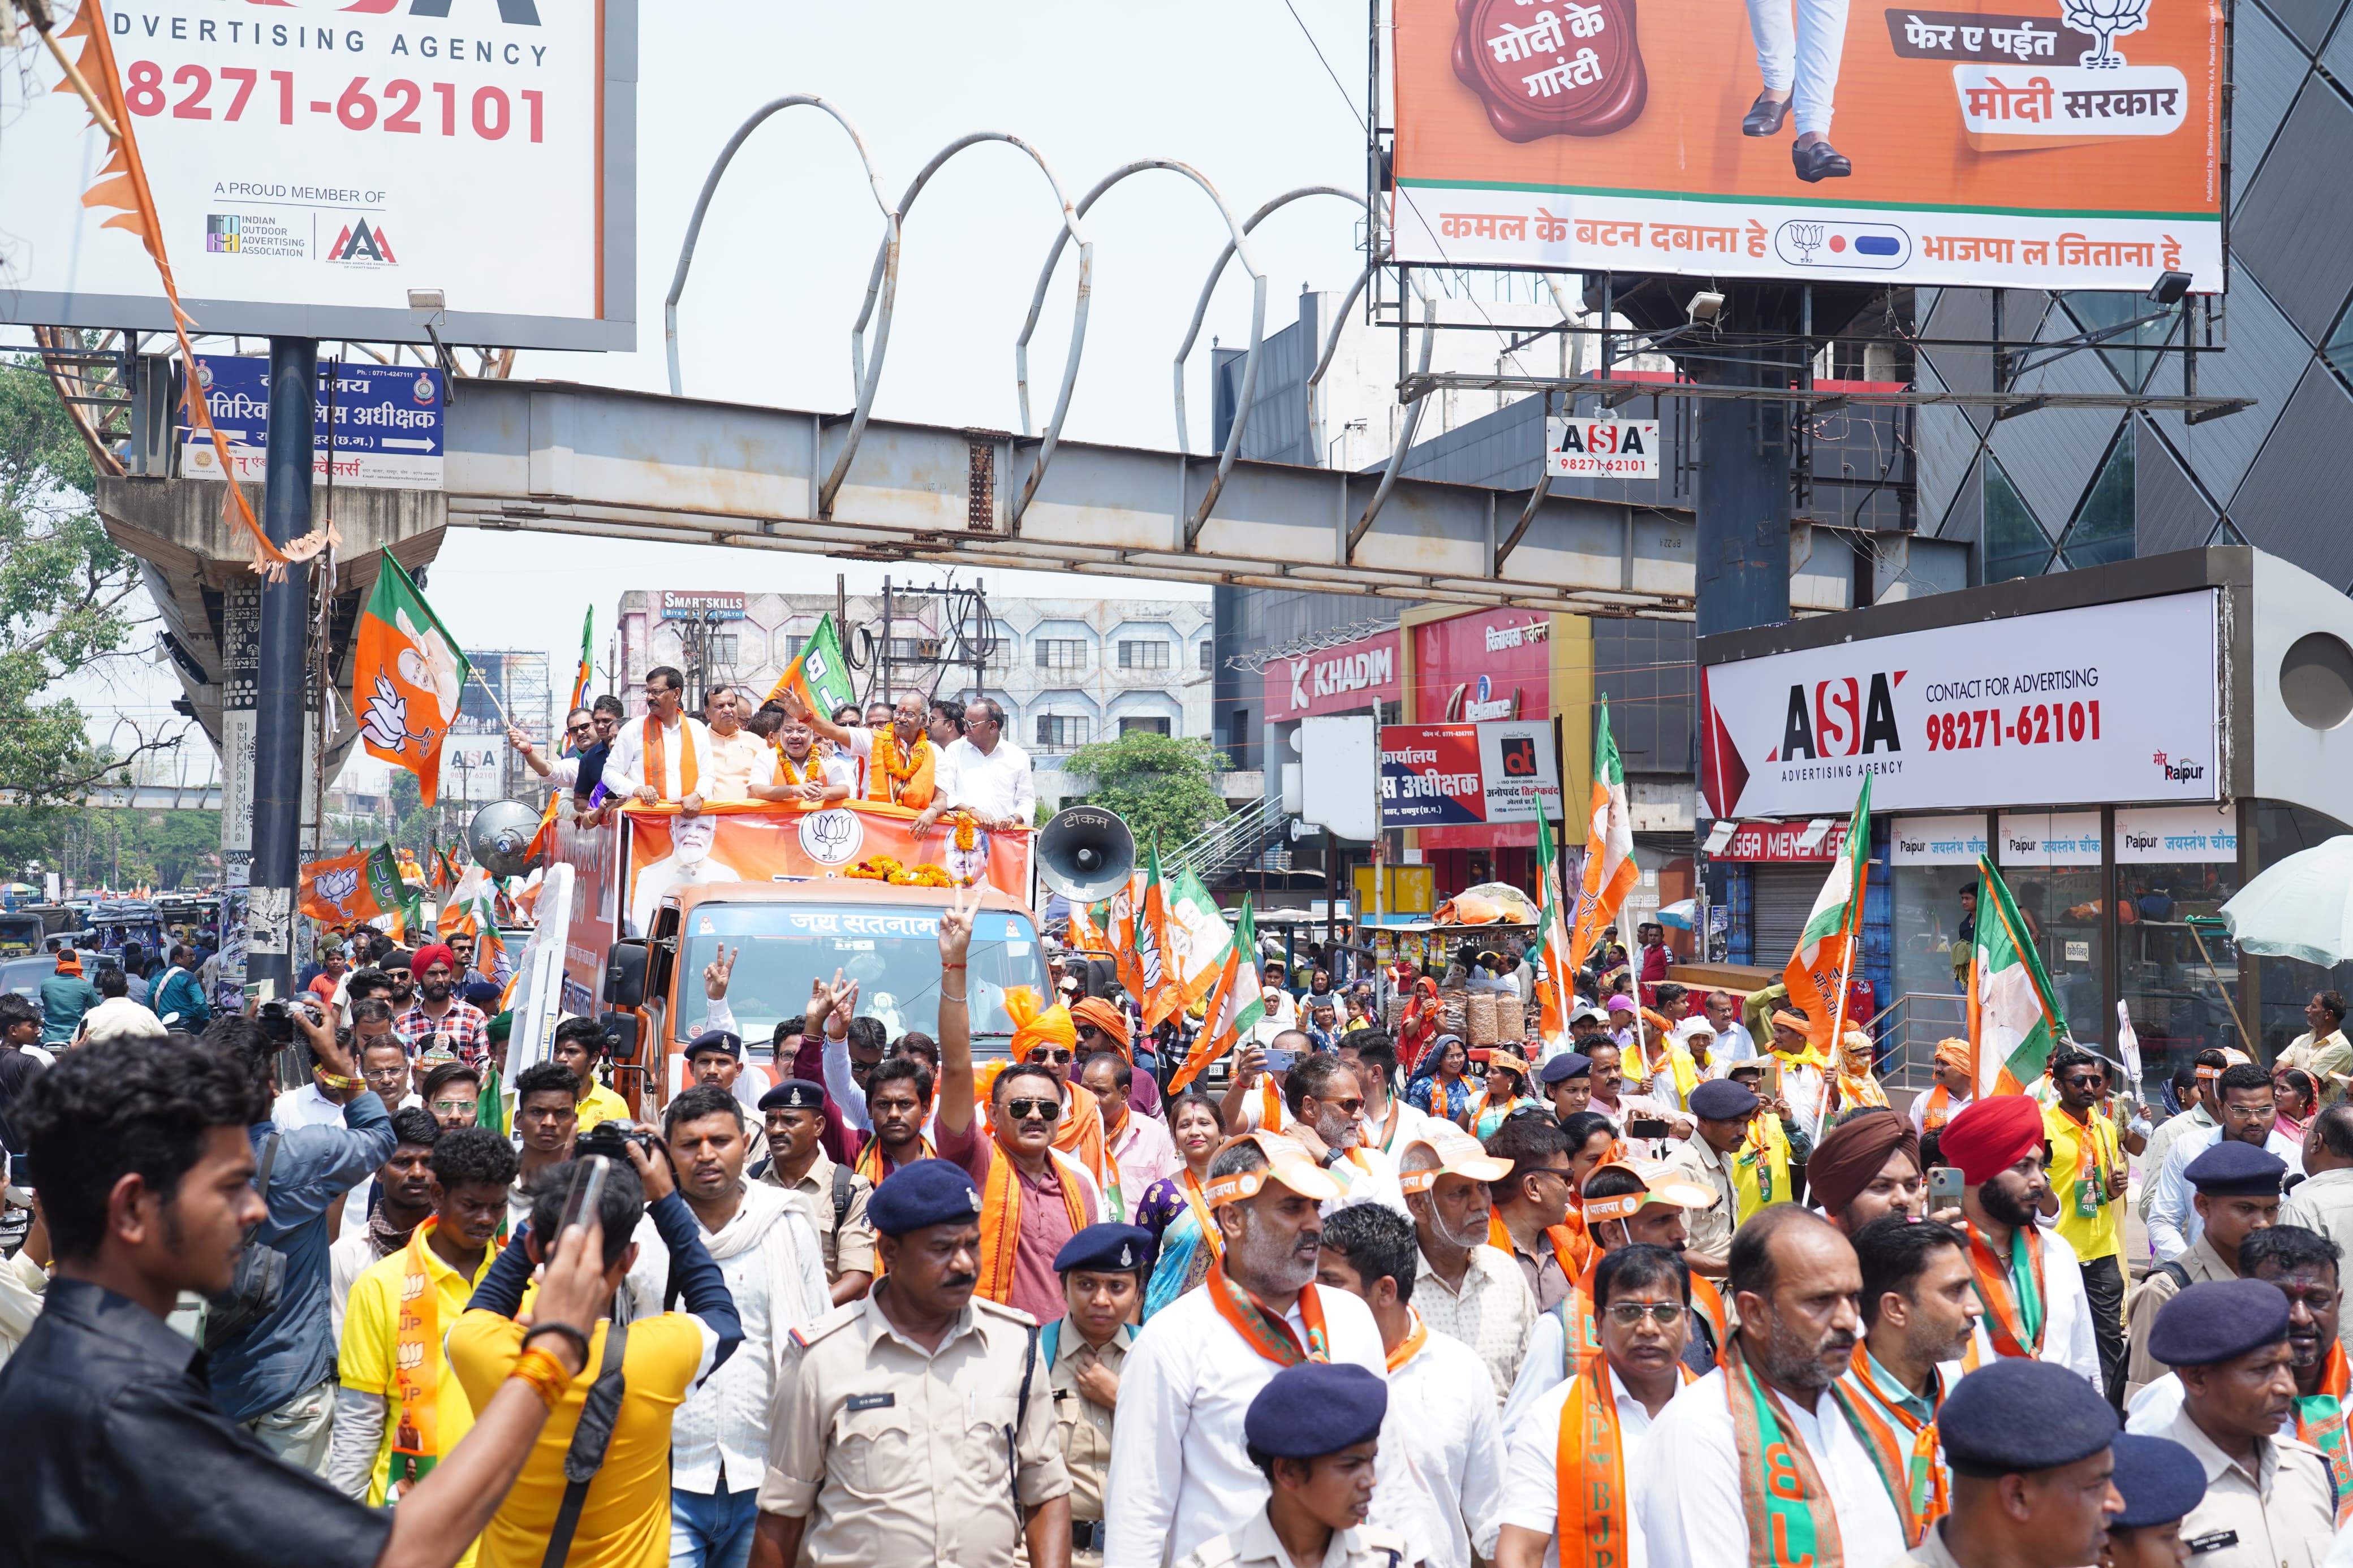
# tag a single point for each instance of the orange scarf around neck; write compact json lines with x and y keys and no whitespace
{"x":1000,"y":1217}
{"x":658,"y":759}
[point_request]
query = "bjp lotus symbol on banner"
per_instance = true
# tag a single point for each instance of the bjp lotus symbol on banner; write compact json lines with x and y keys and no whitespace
{"x":407,"y":681}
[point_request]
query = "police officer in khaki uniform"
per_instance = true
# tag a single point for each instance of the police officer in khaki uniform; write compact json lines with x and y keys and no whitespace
{"x":1314,"y":1429}
{"x":917,"y":1425}
{"x":2269,"y":1499}
{"x":834,"y":1197}
{"x":1104,"y":1269}
{"x":2030,"y":1443}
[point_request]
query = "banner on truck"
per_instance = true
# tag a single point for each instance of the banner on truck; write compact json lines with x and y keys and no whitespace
{"x":2032,"y":144}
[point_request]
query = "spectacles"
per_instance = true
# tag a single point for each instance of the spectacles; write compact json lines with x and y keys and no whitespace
{"x":1043,"y":1055}
{"x":1042,"y":1110}
{"x":1626,"y":1314}
{"x":578,"y":729}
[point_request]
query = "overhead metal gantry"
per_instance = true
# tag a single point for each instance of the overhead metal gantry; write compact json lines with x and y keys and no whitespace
{"x":559,"y":457}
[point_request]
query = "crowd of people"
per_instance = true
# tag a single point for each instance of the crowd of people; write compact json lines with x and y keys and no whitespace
{"x":1679,"y":1288}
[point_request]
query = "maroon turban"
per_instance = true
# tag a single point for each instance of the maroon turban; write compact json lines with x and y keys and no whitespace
{"x":1990,"y":1135}
{"x":1853,"y":1152}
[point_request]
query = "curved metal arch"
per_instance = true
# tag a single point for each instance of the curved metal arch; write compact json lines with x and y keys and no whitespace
{"x":1364,"y":524}
{"x":1237,"y":233}
{"x":1071,"y":230}
{"x":886,"y":279}
{"x":1218,"y":271}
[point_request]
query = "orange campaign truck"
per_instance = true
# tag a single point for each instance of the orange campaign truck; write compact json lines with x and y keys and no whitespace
{"x":795,"y":892}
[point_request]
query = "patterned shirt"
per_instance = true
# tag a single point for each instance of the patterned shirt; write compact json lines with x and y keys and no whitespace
{"x":1492,"y":1313}
{"x":465,"y":1026}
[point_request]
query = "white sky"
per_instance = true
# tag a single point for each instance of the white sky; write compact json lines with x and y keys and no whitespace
{"x":1232,"y":87}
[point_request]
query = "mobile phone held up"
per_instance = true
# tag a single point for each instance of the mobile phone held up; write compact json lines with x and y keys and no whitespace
{"x":1944,"y":1188}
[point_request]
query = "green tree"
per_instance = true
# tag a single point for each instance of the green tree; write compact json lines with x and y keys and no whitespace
{"x":65,"y":597}
{"x":1161,"y":785}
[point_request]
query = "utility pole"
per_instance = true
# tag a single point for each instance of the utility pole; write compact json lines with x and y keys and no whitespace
{"x":279,"y":727}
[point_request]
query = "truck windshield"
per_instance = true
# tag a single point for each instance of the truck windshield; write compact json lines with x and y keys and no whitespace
{"x":21,"y":934}
{"x":892,"y":953}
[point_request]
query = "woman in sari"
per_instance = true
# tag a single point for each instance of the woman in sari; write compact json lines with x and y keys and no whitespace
{"x":1441,"y":1089}
{"x":2298,"y":1099}
{"x":1418,"y":1029}
{"x":1173,"y":1208}
{"x":1507,"y":1090}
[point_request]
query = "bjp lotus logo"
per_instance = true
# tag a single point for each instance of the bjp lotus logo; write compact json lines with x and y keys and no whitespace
{"x":831,"y":837}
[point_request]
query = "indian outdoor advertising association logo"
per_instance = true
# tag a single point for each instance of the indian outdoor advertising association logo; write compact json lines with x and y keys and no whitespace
{"x":224,"y":234}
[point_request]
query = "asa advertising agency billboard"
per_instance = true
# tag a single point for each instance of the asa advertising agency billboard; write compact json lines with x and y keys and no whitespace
{"x":2072,"y":145}
{"x":314,"y":160}
{"x":2108,"y":703}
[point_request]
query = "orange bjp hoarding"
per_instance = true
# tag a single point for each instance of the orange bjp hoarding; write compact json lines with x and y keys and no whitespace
{"x":2050,"y":144}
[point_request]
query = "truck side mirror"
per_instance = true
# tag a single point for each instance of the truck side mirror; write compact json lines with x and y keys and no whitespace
{"x":627,"y":965}
{"x":623,"y":1029}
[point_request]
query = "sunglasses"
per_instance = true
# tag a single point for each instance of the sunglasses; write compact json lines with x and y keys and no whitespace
{"x":2083,"y":1081}
{"x":1626,"y":1314}
{"x":1043,"y":1055}
{"x":1048,"y":1110}
{"x":1354,"y":1105}
{"x":453,"y":1105}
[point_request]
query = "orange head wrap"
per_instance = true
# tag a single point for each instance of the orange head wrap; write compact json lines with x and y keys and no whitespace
{"x":1032,"y":1028}
{"x":1104,"y":1016}
{"x":68,"y":960}
{"x":1953,"y":1053}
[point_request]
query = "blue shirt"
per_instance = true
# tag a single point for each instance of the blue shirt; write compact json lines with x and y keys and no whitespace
{"x":293,"y":1349}
{"x":180,"y":993}
{"x":64,"y":999}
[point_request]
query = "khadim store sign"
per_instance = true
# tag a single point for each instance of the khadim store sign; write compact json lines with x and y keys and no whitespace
{"x":2110,"y":703}
{"x":2046,"y":144}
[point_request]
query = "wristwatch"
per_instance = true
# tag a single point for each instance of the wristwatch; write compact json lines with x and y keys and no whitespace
{"x":1332,"y":1157}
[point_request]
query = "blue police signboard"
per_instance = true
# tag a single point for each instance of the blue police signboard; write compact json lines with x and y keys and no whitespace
{"x":386,"y":429}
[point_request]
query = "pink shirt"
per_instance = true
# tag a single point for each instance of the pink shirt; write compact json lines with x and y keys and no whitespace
{"x":1045,"y":1221}
{"x":1145,"y":1153}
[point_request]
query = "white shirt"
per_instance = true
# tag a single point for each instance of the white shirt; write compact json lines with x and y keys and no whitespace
{"x":2068,"y":1338}
{"x":775,"y":1268}
{"x":1411,"y":1123}
{"x":625,"y":768}
{"x":2173,"y":1222}
{"x":562,"y":772}
{"x":1178,"y":1467}
{"x":1456,"y":1446}
{"x":1532,"y":1475}
{"x":834,"y":770}
{"x":305,"y":1106}
{"x":1689,"y":1502}
{"x":1953,"y":1105}
{"x":996,"y":783}
{"x":1735,"y":1044}
{"x":1374,"y":1181}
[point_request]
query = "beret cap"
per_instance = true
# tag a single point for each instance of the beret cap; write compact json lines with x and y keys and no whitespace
{"x":715,"y":1040}
{"x":936,"y":1192}
{"x":2159,"y":1480}
{"x":2014,"y":1417}
{"x":2216,"y":1320}
{"x":1106,"y":1247}
{"x":1316,"y":1408}
{"x":794,"y":1094}
{"x":2234,"y":1170}
{"x":1565,"y":1066}
{"x":1721,"y":1099}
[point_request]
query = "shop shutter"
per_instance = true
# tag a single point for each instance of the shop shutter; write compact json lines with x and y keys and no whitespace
{"x":1781,"y":899}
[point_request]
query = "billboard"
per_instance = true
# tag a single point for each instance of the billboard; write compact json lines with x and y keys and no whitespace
{"x":2109,"y":703}
{"x":312,"y":161}
{"x":388,"y":423}
{"x":1468,"y":775}
{"x":1351,"y":677}
{"x":2075,"y":146}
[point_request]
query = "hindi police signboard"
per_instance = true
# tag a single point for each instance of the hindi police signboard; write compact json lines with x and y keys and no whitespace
{"x":2108,"y":703}
{"x":1456,"y":775}
{"x":1583,"y":137}
{"x":386,"y":430}
{"x":313,"y":161}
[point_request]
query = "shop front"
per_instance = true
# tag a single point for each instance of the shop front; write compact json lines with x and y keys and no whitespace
{"x":2128,"y":746}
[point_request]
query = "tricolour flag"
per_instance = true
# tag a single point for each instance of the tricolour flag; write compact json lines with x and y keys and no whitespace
{"x":406,"y":679}
{"x":473,"y":909}
{"x":1237,"y":1002}
{"x":357,"y":886}
{"x":1833,"y":938}
{"x":587,"y":666}
{"x":1161,"y":994}
{"x":1610,"y":870}
{"x":1083,"y":936}
{"x":1198,"y":939}
{"x":818,"y":674}
{"x":2013,"y":1017}
{"x":1552,"y":950}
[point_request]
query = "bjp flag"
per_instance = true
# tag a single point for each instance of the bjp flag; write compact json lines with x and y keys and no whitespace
{"x":406,"y":679}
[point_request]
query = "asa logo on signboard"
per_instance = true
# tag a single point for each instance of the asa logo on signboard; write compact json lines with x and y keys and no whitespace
{"x":1834,"y":719}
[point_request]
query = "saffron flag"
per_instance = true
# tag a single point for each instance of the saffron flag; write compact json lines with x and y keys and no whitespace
{"x":1556,"y":987}
{"x":1818,"y":970}
{"x":1160,"y":995}
{"x":1119,"y":930}
{"x":2013,"y":1013}
{"x":1237,"y":1002}
{"x":1083,"y":937}
{"x":357,"y":886}
{"x":406,"y":679}
{"x":818,"y":674}
{"x":587,"y":666}
{"x":1610,"y":870}
{"x":1197,"y":940}
{"x":542,"y":840}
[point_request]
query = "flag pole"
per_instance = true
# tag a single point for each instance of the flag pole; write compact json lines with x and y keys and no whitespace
{"x":474,"y":674}
{"x":1838,"y":1013}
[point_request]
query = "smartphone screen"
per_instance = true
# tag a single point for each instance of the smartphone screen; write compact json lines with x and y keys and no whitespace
{"x":588,"y":1190}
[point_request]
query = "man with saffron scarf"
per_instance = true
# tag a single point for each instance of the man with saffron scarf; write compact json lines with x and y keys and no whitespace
{"x":2027,"y":1279}
{"x":2032,"y":1452}
{"x":1920,"y":1319}
{"x":1180,"y":1472}
{"x":1576,"y":1458}
{"x":1034,"y":1197}
{"x":1757,"y":1461}
{"x":1047,"y":1037}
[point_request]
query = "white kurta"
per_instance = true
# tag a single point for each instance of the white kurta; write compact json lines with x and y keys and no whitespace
{"x":2173,"y":1222}
{"x":1456,"y":1446}
{"x":1178,"y":1470}
{"x":2068,"y":1338}
{"x":1690,"y":1503}
{"x":1532,"y":1475}
{"x":625,"y":768}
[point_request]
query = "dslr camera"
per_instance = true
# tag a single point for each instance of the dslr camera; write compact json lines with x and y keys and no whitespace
{"x":612,"y":1140}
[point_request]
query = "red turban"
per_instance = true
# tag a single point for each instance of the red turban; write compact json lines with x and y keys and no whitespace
{"x":1991,"y":1135}
{"x":431,"y":954}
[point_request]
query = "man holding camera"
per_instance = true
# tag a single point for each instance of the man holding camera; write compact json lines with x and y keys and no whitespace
{"x":273,"y":1353}
{"x":612,"y":1422}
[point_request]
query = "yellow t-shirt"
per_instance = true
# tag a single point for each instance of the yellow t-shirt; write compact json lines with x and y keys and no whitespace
{"x":2096,"y":1235}
{"x":625,"y":1523}
{"x":602,"y":1105}
{"x":371,"y":1341}
{"x":1761,"y":1180}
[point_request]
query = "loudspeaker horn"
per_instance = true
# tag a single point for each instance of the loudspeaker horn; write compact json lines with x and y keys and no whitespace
{"x":500,"y":837}
{"x":1085,"y":853}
